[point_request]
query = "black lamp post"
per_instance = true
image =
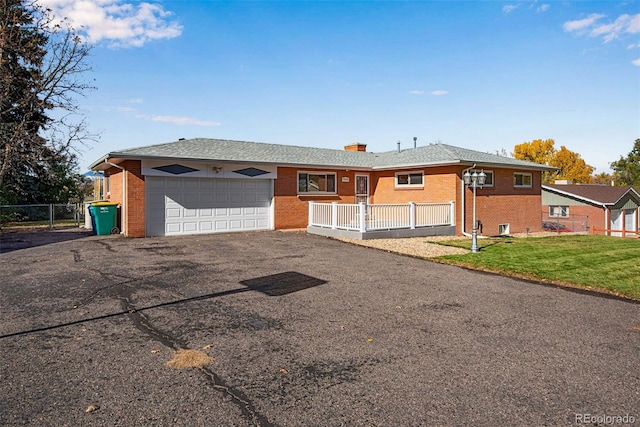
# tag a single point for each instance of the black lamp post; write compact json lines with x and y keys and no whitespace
{"x":474,"y":180}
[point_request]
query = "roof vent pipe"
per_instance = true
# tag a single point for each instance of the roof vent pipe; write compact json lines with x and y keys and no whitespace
{"x":398,"y":146}
{"x":415,"y":141}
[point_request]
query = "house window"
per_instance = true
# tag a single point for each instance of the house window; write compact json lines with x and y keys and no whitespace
{"x":316,"y":182}
{"x":406,"y":179}
{"x":522,"y":180}
{"x":559,"y":211}
{"x":488,"y":181}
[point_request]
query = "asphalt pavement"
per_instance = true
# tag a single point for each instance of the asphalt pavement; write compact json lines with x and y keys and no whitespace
{"x":301,"y":330}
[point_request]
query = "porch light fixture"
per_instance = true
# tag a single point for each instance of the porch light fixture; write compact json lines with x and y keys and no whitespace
{"x":474,"y":180}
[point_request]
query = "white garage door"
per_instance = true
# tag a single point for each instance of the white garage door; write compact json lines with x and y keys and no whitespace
{"x":203,"y":205}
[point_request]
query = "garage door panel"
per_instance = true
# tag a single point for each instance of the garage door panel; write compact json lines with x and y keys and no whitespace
{"x":191,"y":184}
{"x":235,"y":224}
{"x":190,"y":227}
{"x":173,"y":227}
{"x":221,"y":225}
{"x":173,"y":184}
{"x":191,"y":198}
{"x":177,"y":205}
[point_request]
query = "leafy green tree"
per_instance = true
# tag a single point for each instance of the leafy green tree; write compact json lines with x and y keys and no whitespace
{"x":41,"y":66}
{"x":627,"y":169}
{"x":571,"y":165}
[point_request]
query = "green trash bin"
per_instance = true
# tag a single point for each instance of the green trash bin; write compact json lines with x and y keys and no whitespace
{"x":104,"y":218}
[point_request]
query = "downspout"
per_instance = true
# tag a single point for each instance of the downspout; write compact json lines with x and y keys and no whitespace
{"x":124,"y":193}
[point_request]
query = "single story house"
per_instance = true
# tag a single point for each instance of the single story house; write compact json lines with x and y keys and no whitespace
{"x":211,"y":185}
{"x":613,"y":208}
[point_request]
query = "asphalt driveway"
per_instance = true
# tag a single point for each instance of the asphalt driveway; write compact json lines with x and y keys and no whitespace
{"x":302,"y":330}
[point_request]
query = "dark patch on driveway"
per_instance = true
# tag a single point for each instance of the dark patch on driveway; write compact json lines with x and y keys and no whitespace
{"x":282,"y":283}
{"x":303,"y":330}
{"x":13,"y":239}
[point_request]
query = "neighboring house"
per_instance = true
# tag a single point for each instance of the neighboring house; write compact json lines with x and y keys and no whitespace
{"x":210,"y":185}
{"x":606,"y":207}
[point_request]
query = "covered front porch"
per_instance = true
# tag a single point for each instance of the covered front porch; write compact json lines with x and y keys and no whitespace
{"x":370,"y":221}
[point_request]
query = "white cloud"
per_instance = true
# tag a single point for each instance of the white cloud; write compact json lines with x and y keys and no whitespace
{"x":135,"y":101}
{"x":543,"y":8}
{"x":581,"y":24}
{"x":621,"y":26}
{"x":116,"y":22}
{"x":633,"y":46}
{"x":176,"y":120}
{"x":636,"y":62}
{"x":416,"y":92}
{"x":508,"y":8}
{"x":439,"y":92}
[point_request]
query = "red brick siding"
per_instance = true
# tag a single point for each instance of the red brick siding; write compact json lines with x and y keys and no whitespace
{"x":292,"y":210}
{"x":439,"y":187}
{"x":520,"y":207}
{"x":504,"y":203}
{"x":134,"y":225}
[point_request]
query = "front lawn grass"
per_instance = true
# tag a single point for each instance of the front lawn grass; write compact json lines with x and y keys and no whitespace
{"x":610,"y":264}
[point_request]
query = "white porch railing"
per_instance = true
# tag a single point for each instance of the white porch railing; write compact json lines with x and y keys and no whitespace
{"x":362,"y":217}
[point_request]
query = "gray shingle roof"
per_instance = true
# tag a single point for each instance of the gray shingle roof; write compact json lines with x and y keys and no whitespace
{"x":253,"y":152}
{"x":600,"y":194}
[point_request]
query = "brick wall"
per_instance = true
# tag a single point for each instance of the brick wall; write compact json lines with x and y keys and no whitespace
{"x":439,"y":187}
{"x":596,"y":216}
{"x":503,"y":203}
{"x":134,"y":216}
{"x":292,"y":210}
{"x":520,"y":207}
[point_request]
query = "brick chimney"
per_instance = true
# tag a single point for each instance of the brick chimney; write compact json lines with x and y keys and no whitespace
{"x":356,"y":147}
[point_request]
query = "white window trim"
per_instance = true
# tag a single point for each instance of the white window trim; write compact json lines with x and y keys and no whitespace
{"x":335,"y":174}
{"x":409,"y":185}
{"x":523,"y":174}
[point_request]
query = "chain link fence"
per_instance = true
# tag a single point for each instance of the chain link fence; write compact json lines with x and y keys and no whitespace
{"x":572,"y":223}
{"x":42,"y":215}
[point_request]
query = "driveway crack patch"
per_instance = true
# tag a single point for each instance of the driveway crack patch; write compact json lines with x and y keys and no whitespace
{"x":142,"y":323}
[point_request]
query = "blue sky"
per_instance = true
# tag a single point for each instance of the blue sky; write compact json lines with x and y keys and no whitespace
{"x":484,"y":75}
